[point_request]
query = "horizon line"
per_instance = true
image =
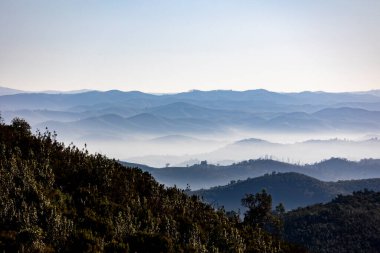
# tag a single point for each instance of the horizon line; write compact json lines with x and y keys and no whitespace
{"x":178,"y":92}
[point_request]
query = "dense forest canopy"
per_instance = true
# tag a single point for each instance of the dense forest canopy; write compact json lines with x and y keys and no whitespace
{"x":61,"y":198}
{"x":347,"y":224}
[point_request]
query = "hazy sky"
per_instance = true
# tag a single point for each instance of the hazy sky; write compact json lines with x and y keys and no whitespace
{"x":175,"y":45}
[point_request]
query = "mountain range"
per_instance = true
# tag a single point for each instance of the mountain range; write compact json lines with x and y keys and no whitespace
{"x":215,"y":122}
{"x":250,"y":110}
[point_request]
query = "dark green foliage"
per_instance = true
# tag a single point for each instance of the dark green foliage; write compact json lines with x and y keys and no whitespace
{"x":259,"y":220}
{"x":259,"y":208}
{"x":57,"y":198}
{"x":346,"y":224}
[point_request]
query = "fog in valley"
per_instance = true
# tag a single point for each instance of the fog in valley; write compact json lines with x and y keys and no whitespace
{"x":221,"y":127}
{"x":181,"y":150}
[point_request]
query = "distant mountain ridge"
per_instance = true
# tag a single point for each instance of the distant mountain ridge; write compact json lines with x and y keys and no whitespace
{"x":292,"y":189}
{"x":9,"y":91}
{"x":229,"y":95}
{"x":342,"y":119}
{"x":207,"y":175}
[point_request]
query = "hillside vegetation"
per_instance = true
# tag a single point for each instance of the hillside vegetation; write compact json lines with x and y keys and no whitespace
{"x":60,"y":198}
{"x":346,"y":224}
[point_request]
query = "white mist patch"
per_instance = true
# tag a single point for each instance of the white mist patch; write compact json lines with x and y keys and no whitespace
{"x":300,"y":149}
{"x":227,"y":147}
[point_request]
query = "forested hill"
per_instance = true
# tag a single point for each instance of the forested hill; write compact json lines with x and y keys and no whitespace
{"x":57,"y":198}
{"x":346,"y":224}
{"x":292,"y":189}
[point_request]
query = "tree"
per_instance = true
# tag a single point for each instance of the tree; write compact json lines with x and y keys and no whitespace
{"x":21,"y":125}
{"x":259,"y":208}
{"x":280,"y":209}
{"x":260,"y":214}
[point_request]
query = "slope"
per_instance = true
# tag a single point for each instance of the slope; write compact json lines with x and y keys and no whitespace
{"x":61,"y":199}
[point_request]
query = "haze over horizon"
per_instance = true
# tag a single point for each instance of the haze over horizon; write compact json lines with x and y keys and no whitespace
{"x":108,"y":89}
{"x":167,"y":46}
{"x":220,"y":127}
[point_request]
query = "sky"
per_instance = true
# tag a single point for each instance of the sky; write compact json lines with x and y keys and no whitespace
{"x":179,"y":45}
